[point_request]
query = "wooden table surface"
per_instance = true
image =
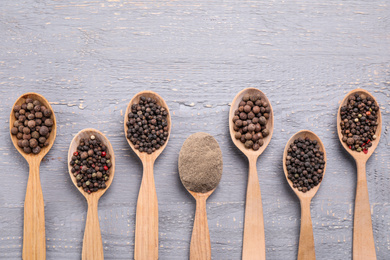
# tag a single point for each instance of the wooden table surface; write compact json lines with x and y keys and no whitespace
{"x":88,"y":58}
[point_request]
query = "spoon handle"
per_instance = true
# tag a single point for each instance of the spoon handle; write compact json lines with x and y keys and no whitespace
{"x":306,"y":250}
{"x":92,"y":244}
{"x":254,"y":240}
{"x":146,"y":222}
{"x":363,"y":238}
{"x":34,"y":240}
{"x":200,"y":248}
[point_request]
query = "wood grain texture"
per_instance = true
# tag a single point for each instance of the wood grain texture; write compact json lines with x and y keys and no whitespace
{"x":90,"y":58}
{"x":200,"y":247}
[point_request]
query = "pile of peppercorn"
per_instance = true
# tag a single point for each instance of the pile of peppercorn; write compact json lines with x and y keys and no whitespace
{"x":147,"y":125}
{"x":32,"y":126}
{"x":305,"y":164}
{"x":250,"y":120}
{"x":359,"y":121}
{"x":91,"y":164}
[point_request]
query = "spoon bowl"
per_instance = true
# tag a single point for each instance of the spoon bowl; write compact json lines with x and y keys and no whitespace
{"x":356,"y":155}
{"x":161,"y":102}
{"x":146,"y":227}
{"x":92,"y":243}
{"x":270,"y":122}
{"x":254,"y":238}
{"x":363,"y":237}
{"x":85,"y":134}
{"x":53,"y":132}
{"x":312,"y":136}
{"x":34,"y":240}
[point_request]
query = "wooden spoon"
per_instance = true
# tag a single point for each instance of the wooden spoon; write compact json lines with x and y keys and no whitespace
{"x":254,"y":239}
{"x":363,"y":238}
{"x":306,"y":249}
{"x":146,"y":223}
{"x":34,"y":240}
{"x":200,"y":248}
{"x":92,"y":243}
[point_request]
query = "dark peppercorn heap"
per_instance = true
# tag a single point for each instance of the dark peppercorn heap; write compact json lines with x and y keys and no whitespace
{"x":91,"y":164}
{"x":32,"y":126}
{"x":147,"y":125}
{"x":305,"y":164}
{"x":250,"y":120}
{"x":359,"y":121}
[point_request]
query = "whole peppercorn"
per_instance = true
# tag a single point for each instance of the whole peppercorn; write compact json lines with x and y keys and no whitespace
{"x":25,"y":143}
{"x":250,"y":120}
{"x":305,"y":164}
{"x":248,"y":144}
{"x":148,"y":125}
{"x":43,"y":130}
{"x":33,"y":143}
{"x":14,"y":130}
{"x":262,"y":120}
{"x":87,"y":164}
{"x":48,"y":122}
{"x":28,"y":124}
{"x":359,"y":122}
{"x":265,"y":132}
{"x":256,"y":109}
{"x":31,"y":124}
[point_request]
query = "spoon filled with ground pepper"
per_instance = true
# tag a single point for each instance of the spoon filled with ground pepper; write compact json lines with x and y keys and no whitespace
{"x":251,"y":124}
{"x":359,"y":125}
{"x":33,"y":131}
{"x":304,"y":164}
{"x":91,"y":168}
{"x":147,"y":126}
{"x":200,"y":170}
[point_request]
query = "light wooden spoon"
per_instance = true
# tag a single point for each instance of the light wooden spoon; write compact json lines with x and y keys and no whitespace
{"x":306,"y":249}
{"x":363,"y":238}
{"x":146,"y":222}
{"x":254,"y":239}
{"x":92,"y":243}
{"x":200,"y":248}
{"x":34,"y":240}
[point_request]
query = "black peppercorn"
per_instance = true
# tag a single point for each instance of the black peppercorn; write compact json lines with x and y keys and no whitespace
{"x":148,"y":126}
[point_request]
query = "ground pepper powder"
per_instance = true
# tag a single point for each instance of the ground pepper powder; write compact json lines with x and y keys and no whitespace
{"x":200,"y":163}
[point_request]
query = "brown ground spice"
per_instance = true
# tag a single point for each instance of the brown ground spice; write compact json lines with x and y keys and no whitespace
{"x":200,"y":163}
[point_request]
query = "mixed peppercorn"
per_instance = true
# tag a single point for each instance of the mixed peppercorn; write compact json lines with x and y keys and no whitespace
{"x":91,"y":164}
{"x":32,"y":126}
{"x":147,"y":124}
{"x":359,"y":121}
{"x":250,"y":121}
{"x":305,"y":164}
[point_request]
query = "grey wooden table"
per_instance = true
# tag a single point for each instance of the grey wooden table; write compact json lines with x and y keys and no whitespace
{"x":88,"y":58}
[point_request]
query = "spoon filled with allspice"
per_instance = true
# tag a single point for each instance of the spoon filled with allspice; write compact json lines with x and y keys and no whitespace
{"x":251,"y":125}
{"x":33,"y":131}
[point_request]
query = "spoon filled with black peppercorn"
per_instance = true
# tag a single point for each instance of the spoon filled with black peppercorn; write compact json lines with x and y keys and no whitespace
{"x":147,"y":126}
{"x":304,"y":164}
{"x":91,"y":168}
{"x":251,"y":125}
{"x":33,"y":131}
{"x":359,"y":125}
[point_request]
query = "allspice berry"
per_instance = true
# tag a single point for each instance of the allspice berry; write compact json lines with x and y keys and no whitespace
{"x":250,"y":120}
{"x":28,"y":128}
